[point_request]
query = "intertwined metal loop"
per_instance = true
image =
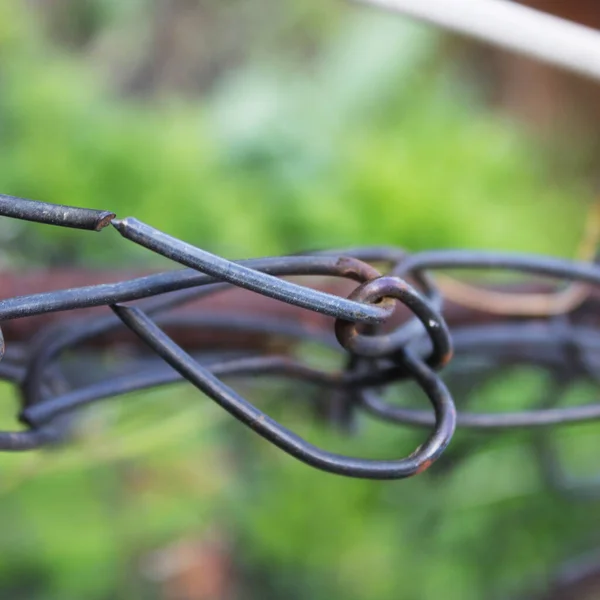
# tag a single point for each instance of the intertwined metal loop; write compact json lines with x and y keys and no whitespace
{"x":201,"y":324}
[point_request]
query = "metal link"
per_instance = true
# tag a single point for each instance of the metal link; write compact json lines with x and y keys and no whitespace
{"x":388,"y":344}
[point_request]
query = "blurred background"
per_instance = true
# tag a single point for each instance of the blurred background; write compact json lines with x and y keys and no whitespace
{"x":266,"y":127}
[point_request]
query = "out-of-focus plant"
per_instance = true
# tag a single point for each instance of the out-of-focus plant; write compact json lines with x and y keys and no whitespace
{"x":373,"y":145}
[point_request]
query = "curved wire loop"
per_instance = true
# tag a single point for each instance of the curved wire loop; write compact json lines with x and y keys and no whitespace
{"x":387,"y":344}
{"x":515,"y":344}
{"x":546,"y":447}
{"x":142,"y":377}
{"x":241,"y":409}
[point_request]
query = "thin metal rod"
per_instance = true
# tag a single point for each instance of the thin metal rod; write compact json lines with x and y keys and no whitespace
{"x":54,"y":214}
{"x":170,"y":281}
{"x":239,"y":275}
{"x":547,"y":417}
{"x":546,"y":266}
{"x":510,"y":26}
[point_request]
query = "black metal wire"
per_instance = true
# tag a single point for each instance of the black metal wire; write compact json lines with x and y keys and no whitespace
{"x":251,"y":279}
{"x":54,"y":214}
{"x":379,"y":344}
{"x":278,"y":435}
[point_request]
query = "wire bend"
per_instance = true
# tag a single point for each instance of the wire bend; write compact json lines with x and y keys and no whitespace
{"x":387,"y":344}
{"x":286,"y":440}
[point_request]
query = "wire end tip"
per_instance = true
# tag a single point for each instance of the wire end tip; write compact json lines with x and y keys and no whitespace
{"x":120,"y":308}
{"x":104,"y":219}
{"x":119,"y":224}
{"x":125,"y":313}
{"x":124,"y":226}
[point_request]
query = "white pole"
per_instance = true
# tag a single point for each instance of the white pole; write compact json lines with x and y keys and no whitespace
{"x":510,"y":26}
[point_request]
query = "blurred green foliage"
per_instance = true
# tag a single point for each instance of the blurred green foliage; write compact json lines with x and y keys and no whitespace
{"x":371,"y":145}
{"x":373,"y":141}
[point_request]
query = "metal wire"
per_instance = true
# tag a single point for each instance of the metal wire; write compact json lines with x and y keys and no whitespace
{"x":394,"y":328}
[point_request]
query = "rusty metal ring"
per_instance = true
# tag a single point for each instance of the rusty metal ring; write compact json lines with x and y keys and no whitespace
{"x":387,"y":344}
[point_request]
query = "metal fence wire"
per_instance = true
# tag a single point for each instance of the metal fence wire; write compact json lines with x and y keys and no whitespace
{"x":392,"y":319}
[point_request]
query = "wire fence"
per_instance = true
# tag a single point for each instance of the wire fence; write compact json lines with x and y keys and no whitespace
{"x":387,"y":313}
{"x":392,"y":319}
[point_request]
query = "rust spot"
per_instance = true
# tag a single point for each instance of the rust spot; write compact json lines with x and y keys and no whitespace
{"x":424,"y":467}
{"x":446,"y":358}
{"x":105,"y":220}
{"x":347,"y":266}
